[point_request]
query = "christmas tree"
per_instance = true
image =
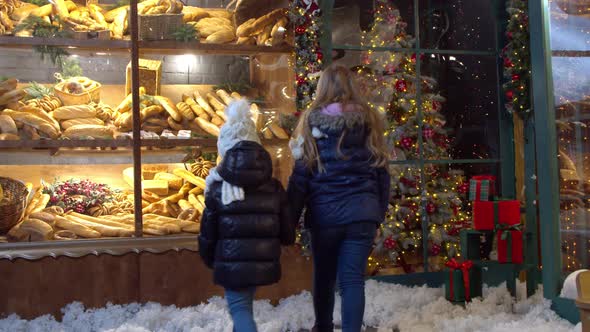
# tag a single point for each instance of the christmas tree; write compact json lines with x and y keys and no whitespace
{"x":433,"y":195}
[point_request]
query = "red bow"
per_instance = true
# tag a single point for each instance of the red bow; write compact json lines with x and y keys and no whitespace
{"x":464,"y":267}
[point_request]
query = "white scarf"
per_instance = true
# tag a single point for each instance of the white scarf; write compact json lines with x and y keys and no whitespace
{"x":229,"y":192}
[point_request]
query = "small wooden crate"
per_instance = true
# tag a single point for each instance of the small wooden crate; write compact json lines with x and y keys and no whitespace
{"x":159,"y":27}
{"x":150,"y":76}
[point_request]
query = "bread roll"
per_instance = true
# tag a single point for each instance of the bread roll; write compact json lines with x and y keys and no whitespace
{"x":224,"y":96}
{"x":7,"y":125}
{"x":245,"y":27}
{"x":44,"y":216}
{"x":198,"y":110}
{"x":174,"y":125}
{"x":246,"y":41}
{"x":83,"y":121}
{"x":88,"y":131}
{"x":193,"y":14}
{"x":74,"y":112}
{"x":264,"y":35}
{"x":111,"y":15}
{"x":96,"y":14}
{"x":185,"y":110}
{"x":263,"y":21}
{"x":118,"y":25}
{"x":33,"y":121}
{"x":217,"y":105}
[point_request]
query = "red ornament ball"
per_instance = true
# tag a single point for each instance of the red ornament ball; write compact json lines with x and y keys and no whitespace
{"x":300,"y":30}
{"x":508,"y":63}
{"x":509,"y":34}
{"x":401,"y":86}
{"x":389,"y":243}
{"x":407,"y":142}
{"x":463,"y":188}
{"x":515,"y":77}
{"x":510,"y":95}
{"x":428,"y":133}
{"x":435,"y":250}
{"x":436,"y":105}
{"x":430,"y":208}
{"x":319,"y":55}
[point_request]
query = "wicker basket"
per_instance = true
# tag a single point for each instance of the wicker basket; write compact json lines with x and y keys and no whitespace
{"x":11,"y":212}
{"x":159,"y":27}
{"x":68,"y":99}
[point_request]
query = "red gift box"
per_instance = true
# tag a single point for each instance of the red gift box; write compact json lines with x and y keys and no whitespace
{"x":510,"y":246}
{"x":487,"y":214}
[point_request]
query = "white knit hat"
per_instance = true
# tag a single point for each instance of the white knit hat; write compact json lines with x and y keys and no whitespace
{"x":238,"y":127}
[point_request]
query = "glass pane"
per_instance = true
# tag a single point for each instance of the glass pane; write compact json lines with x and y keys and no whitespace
{"x":569,"y":35}
{"x":458,"y":24}
{"x":379,"y":24}
{"x":459,"y":125}
{"x":59,"y":138}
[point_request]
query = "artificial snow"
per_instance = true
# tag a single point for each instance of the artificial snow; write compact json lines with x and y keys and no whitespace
{"x":388,"y":306}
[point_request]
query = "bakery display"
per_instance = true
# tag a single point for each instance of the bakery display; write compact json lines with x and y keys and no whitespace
{"x":268,"y":30}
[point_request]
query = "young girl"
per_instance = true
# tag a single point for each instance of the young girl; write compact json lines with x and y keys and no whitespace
{"x":246,"y":219}
{"x":341,"y":176}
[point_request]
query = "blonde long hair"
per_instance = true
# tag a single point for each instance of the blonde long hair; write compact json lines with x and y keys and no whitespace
{"x":337,"y":85}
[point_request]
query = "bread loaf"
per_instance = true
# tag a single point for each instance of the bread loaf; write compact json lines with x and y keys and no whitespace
{"x":217,"y":105}
{"x":174,"y":125}
{"x":44,"y":216}
{"x":264,"y":35}
{"x":37,"y":230}
{"x":77,"y":228}
{"x":246,"y":41}
{"x":210,"y":25}
{"x":7,"y":125}
{"x":158,"y":187}
{"x":174,"y":182}
{"x":258,"y":26}
{"x":169,"y":107}
{"x":193,"y":14}
{"x":221,"y":13}
{"x":96,"y":14}
{"x":185,"y":110}
{"x":198,"y":110}
{"x":60,"y":9}
{"x":88,"y":131}
{"x":74,"y":112}
{"x":83,"y":121}
{"x":22,"y":12}
{"x":118,"y":25}
{"x":124,"y":121}
{"x":111,"y":15}
{"x":33,"y":121}
{"x":207,"y":126}
{"x":151,"y":111}
{"x":104,"y":230}
{"x":222,"y":36}
{"x":224,"y":96}
{"x":42,"y":114}
{"x":245,"y":27}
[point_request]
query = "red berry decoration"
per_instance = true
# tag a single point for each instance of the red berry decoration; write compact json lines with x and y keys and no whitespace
{"x":436,"y":105}
{"x":428,"y":133}
{"x":508,"y":63}
{"x":319,"y":55}
{"x":430,"y":208}
{"x":300,"y":30}
{"x":407,"y":142}
{"x":510,"y":95}
{"x":463,"y":188}
{"x":435,"y":250}
{"x":389,"y":243}
{"x":509,"y":34}
{"x":300,"y":80}
{"x":401,"y":86}
{"x":515,"y":77}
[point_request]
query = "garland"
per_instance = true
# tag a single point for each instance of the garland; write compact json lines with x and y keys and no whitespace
{"x":516,"y":56}
{"x":306,"y":17}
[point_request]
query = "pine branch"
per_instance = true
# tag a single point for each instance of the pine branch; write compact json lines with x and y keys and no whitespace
{"x":37,"y":91}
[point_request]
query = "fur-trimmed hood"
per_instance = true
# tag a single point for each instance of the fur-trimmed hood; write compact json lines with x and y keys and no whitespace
{"x":336,"y":117}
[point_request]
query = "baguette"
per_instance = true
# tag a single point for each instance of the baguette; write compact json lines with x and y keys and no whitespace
{"x":278,"y":30}
{"x":88,"y":131}
{"x":118,"y":25}
{"x":44,"y":216}
{"x":207,"y":126}
{"x":264,"y":35}
{"x":82,"y":121}
{"x":190,"y":177}
{"x":7,"y":125}
{"x":77,"y":228}
{"x":42,"y":114}
{"x":217,"y":105}
{"x":11,"y":96}
{"x":194,"y":227}
{"x":111,"y":15}
{"x":185,"y":110}
{"x":195,"y":203}
{"x":224,"y":96}
{"x":169,"y":107}
{"x":196,"y":191}
{"x":96,"y":14}
{"x":198,"y":110}
{"x":102,"y":229}
{"x":203,"y":103}
{"x":102,"y":221}
{"x":242,"y":28}
{"x":174,"y":198}
{"x":258,"y":26}
{"x":278,"y":131}
{"x":74,"y":112}
{"x":184,"y":204}
{"x":33,"y":121}
{"x":193,"y":14}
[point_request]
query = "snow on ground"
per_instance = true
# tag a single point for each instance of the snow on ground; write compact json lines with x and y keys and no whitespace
{"x":388,"y":306}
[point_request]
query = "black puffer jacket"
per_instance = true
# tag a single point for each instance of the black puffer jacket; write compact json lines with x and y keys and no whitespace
{"x":242,"y":241}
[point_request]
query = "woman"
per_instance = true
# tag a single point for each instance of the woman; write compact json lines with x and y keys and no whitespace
{"x":246,"y":219}
{"x":341,"y":176}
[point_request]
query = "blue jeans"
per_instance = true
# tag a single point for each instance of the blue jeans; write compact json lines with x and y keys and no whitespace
{"x":341,"y":252}
{"x":240,"y":308}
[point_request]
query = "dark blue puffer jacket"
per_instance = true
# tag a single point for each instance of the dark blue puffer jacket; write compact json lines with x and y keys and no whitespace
{"x":350,"y":190}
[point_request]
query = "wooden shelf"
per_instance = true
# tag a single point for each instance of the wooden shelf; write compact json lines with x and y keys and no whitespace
{"x":159,"y":47}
